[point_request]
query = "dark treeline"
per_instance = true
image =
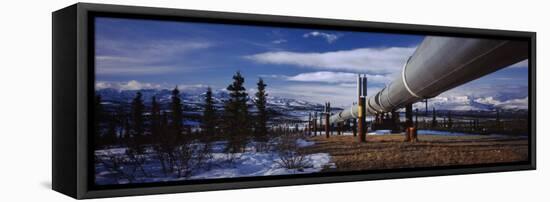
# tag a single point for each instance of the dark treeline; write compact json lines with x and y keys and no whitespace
{"x":142,"y":127}
{"x":150,"y":124}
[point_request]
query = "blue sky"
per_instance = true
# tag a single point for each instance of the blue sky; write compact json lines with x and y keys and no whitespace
{"x":299,"y":63}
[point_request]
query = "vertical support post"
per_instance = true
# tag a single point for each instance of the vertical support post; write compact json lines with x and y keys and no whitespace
{"x":434,"y":119}
{"x":408,"y":114}
{"x":348,"y":125}
{"x":309,"y":125}
{"x":395,"y":122}
{"x":320,"y":124}
{"x":314,"y":123}
{"x":327,"y":119}
{"x":361,"y":94}
{"x":410,"y":130}
{"x":416,"y":118}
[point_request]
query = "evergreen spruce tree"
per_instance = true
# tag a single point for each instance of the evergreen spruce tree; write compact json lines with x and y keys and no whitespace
{"x":236,"y":115}
{"x":121,"y":121}
{"x":208,"y":124}
{"x":155,"y":119}
{"x":137,"y":116}
{"x":177,"y":113}
{"x":111,"y":133}
{"x":126,"y":129}
{"x":260,"y":129}
{"x":164,"y":128}
{"x":136,"y":143}
{"x":165,"y":146}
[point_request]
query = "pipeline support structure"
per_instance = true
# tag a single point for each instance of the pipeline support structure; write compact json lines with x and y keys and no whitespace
{"x":361,"y":116}
{"x":437,"y":65}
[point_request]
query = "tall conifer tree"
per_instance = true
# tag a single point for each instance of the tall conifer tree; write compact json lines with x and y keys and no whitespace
{"x":110,"y":136}
{"x":137,"y":116}
{"x":155,"y":118}
{"x":260,"y":101}
{"x":177,"y":112}
{"x":236,"y":115}
{"x":208,"y":124}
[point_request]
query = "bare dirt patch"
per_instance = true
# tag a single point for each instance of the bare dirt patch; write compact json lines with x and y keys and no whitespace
{"x":390,"y":152}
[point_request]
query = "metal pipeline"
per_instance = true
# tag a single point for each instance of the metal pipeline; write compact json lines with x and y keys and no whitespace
{"x":440,"y":64}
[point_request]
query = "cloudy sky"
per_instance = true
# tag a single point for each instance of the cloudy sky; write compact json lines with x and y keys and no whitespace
{"x":314,"y":65}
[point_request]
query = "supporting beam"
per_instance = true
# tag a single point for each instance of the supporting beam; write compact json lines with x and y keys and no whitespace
{"x":416,"y":118}
{"x":354,"y":127}
{"x":320,"y":124}
{"x":309,"y":126}
{"x":327,"y":119}
{"x":410,"y":130}
{"x":450,"y":61}
{"x":314,"y":123}
{"x":361,"y":94}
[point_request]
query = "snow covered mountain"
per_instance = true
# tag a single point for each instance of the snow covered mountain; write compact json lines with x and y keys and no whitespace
{"x":194,"y":99}
{"x":468,"y":103}
{"x":289,"y":108}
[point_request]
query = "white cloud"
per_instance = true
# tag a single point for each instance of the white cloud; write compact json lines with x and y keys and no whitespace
{"x":334,"y":77}
{"x":129,"y":85}
{"x":137,"y":85}
{"x":136,"y":70}
{"x":329,"y":37}
{"x":515,"y":104}
{"x":482,"y":90}
{"x":279,"y":41}
{"x":481,"y":96}
{"x":521,"y":103}
{"x":464,"y":103}
{"x":371,"y":60}
{"x":119,"y":57}
{"x":338,"y":95}
{"x":487,"y":100}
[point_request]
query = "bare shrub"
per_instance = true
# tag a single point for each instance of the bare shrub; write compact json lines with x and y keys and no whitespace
{"x":290,"y":154}
{"x":119,"y":165}
{"x":128,"y":165}
{"x":190,"y":157}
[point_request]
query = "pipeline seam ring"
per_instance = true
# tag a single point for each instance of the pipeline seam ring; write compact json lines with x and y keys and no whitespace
{"x":370,"y":106}
{"x":351,"y":110}
{"x":404,"y":78}
{"x":381,"y":109}
{"x":380,"y":99}
{"x":388,"y":96}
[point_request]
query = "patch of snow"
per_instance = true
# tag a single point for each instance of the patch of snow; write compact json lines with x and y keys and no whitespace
{"x":450,"y":133}
{"x":219,"y":164}
{"x":304,"y":143}
{"x":380,"y":132}
{"x":259,"y":164}
{"x":443,"y":133}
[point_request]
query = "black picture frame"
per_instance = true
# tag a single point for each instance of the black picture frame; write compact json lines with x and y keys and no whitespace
{"x":73,"y":87}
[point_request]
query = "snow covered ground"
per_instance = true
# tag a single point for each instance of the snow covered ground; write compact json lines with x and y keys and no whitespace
{"x":423,"y":132}
{"x":219,"y":165}
{"x":450,"y":133}
{"x":380,"y":132}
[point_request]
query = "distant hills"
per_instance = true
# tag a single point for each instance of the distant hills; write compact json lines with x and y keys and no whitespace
{"x":194,"y":99}
{"x":289,"y":108}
